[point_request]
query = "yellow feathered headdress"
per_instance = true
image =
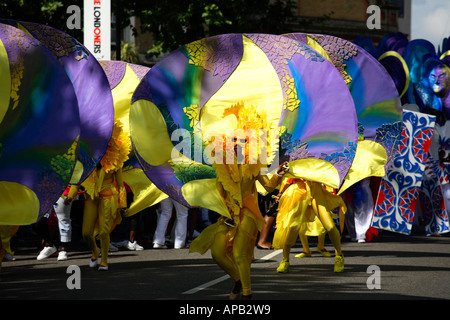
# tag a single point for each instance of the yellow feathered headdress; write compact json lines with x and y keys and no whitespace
{"x":119,"y":147}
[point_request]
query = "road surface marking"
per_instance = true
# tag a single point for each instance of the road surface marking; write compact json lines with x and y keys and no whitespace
{"x":225,"y":277}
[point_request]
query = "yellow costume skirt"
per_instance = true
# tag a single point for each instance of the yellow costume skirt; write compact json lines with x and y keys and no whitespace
{"x":312,"y":229}
{"x":300,"y":205}
{"x":293,"y":211}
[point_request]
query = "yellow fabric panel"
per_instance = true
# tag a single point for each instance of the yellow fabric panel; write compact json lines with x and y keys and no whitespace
{"x":146,"y":194}
{"x":293,"y":211}
{"x":314,"y":170}
{"x":149,"y":132}
{"x":301,"y":204}
{"x":254,"y":82}
{"x":5,"y":81}
{"x":369,"y":161}
{"x":122,"y":94}
{"x":19,"y":204}
{"x":204,"y":241}
{"x":204,"y":194}
{"x":312,"y":229}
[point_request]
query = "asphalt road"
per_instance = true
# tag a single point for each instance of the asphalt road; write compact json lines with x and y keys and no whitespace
{"x":406,"y":268}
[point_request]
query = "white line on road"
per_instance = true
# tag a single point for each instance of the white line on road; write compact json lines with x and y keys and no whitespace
{"x":225,"y":277}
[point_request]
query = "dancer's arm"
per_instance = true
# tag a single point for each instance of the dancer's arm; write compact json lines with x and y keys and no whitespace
{"x":272,"y":183}
{"x":122,"y":190}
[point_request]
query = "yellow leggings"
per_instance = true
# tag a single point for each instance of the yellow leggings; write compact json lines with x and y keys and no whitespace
{"x":305,"y":243}
{"x":6,"y":233}
{"x":237,"y":264}
{"x":327,"y":222}
{"x":96,"y":226}
{"x":326,"y":218}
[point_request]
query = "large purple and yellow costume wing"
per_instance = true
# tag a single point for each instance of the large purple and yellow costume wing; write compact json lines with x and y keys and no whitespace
{"x":123,"y":79}
{"x":185,"y":95}
{"x":91,"y":88}
{"x":376,"y":99}
{"x":39,"y":128}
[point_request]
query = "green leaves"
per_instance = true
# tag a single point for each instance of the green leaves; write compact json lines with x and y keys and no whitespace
{"x":49,"y":7}
{"x":177,"y":22}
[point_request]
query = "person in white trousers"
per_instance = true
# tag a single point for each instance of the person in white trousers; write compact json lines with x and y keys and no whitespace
{"x":62,"y":209}
{"x":180,"y":227}
{"x":358,"y":217}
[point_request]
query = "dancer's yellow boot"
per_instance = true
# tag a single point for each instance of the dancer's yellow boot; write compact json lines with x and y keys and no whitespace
{"x":284,"y":266}
{"x":339,"y":263}
{"x":324,"y":252}
{"x":303,"y":255}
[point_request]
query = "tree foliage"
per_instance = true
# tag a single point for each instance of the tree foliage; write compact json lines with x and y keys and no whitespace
{"x":172,"y":22}
{"x":176,"y":22}
{"x":49,"y":12}
{"x":54,"y":12}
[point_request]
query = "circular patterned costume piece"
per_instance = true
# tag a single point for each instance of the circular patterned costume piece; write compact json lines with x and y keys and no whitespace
{"x":181,"y":102}
{"x":377,"y":103}
{"x":92,"y":90}
{"x":211,"y":116}
{"x":39,"y":128}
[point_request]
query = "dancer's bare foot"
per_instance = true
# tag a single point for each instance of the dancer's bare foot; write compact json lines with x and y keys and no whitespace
{"x":264,"y":245}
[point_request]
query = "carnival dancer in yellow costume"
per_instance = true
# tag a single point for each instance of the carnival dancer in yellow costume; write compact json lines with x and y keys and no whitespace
{"x":301,"y":201}
{"x":232,"y":239}
{"x":313,"y":229}
{"x":105,"y":197}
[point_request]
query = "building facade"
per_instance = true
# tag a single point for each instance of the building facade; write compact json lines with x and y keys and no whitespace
{"x":348,"y":19}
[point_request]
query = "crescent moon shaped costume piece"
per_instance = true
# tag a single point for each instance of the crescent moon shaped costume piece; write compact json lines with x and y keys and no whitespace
{"x":239,"y":103}
{"x":187,"y":92}
{"x":377,"y":103}
{"x":92,"y":90}
{"x":39,"y":128}
{"x":123,"y":79}
{"x":397,"y":68}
